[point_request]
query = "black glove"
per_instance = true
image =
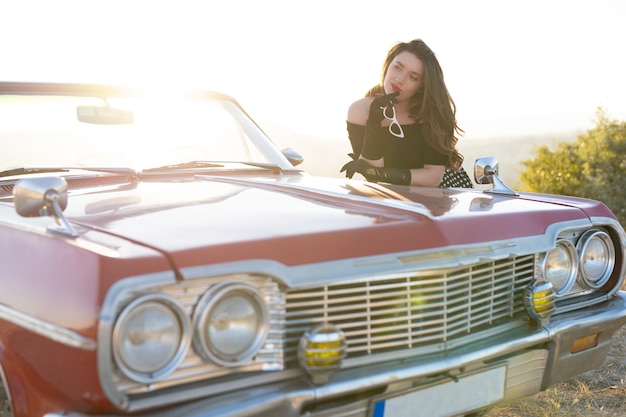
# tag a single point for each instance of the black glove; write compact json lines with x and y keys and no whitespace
{"x":377,"y":174}
{"x":376,"y":108}
{"x":372,"y":142}
{"x":351,"y":166}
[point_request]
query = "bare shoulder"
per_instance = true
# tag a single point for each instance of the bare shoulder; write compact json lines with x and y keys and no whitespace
{"x":359,"y":111}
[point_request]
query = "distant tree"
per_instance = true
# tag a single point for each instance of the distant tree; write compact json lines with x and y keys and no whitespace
{"x":594,"y":166}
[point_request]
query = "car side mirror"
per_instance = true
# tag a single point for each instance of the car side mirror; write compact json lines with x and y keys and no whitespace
{"x":292,"y":156}
{"x":40,"y":197}
{"x":486,"y":172}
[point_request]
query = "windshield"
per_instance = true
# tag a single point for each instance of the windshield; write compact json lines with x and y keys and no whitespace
{"x":49,"y":131}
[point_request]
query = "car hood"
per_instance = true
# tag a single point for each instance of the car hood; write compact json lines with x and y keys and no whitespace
{"x":297,"y":219}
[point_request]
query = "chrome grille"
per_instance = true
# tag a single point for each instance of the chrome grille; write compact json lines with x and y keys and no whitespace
{"x":6,"y":190}
{"x":432,"y":308}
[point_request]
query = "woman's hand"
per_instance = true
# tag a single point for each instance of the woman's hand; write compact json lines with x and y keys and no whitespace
{"x":353,"y":166}
{"x":378,"y":104}
{"x":372,"y":140}
{"x":376,"y":174}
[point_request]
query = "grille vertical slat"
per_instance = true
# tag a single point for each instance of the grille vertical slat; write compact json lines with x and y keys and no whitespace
{"x":398,"y":313}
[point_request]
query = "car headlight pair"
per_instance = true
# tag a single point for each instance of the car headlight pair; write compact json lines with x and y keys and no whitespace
{"x":590,"y":262}
{"x":152,"y":334}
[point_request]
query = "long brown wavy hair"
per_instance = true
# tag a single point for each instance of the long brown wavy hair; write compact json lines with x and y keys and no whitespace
{"x":432,"y":105}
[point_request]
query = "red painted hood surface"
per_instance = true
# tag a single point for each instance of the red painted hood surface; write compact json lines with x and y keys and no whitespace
{"x":297,"y":219}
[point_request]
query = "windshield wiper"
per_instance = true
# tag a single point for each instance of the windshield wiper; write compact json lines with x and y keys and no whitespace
{"x":24,"y":171}
{"x":111,"y":170}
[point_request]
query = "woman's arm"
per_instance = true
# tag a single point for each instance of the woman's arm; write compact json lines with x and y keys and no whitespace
{"x":429,"y":176}
{"x":358,"y":111}
{"x":373,"y":169}
{"x":368,"y":112}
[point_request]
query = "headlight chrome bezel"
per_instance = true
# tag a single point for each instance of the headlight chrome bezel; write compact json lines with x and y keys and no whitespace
{"x":597,"y":254}
{"x":211,"y":301}
{"x":569,"y":250}
{"x":168,"y":304}
{"x":583,"y":246}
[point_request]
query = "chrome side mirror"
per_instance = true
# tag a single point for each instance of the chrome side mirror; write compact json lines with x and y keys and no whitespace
{"x":292,"y":156}
{"x":40,"y":197}
{"x":486,"y":172}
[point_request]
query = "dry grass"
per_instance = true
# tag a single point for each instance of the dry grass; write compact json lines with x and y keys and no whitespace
{"x":601,"y":392}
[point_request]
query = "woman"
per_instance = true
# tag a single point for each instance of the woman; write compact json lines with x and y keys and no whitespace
{"x":404,"y":130}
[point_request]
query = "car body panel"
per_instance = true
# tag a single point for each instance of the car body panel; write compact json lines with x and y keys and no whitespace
{"x":210,"y":211}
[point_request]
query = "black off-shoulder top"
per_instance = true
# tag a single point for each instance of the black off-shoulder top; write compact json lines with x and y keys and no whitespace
{"x":409,"y":152}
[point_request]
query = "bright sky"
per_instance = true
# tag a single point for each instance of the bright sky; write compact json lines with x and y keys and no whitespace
{"x":513,"y":67}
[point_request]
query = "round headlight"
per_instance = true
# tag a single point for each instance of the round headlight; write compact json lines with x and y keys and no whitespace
{"x":597,"y":258}
{"x":231,"y":323}
{"x":151,"y":337}
{"x":560,"y":267}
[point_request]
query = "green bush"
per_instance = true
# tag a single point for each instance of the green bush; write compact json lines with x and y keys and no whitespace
{"x":594,"y":166}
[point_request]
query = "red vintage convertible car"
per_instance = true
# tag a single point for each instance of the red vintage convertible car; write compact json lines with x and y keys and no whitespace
{"x":159,"y":256}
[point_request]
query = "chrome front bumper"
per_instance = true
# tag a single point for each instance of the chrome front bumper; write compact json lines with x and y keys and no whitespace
{"x":533,"y":362}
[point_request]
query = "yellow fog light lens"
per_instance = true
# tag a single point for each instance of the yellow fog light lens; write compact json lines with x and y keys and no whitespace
{"x":542,"y":301}
{"x":321,"y":352}
{"x":539,"y":300}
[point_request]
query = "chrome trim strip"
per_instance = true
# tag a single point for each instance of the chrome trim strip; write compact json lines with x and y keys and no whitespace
{"x":382,"y":266}
{"x":46,"y":329}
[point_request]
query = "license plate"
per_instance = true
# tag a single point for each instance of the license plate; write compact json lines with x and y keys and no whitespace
{"x":446,"y":399}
